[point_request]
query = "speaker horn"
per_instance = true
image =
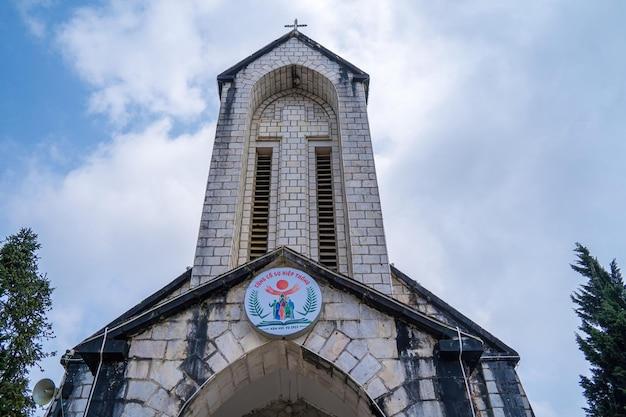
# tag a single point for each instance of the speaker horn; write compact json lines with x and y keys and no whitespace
{"x":44,"y":391}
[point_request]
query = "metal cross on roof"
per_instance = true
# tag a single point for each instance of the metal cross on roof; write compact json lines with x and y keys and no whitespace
{"x":295,"y":25}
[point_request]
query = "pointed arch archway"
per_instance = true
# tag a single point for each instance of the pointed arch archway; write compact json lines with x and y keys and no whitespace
{"x":280,"y":371}
{"x":292,"y":119}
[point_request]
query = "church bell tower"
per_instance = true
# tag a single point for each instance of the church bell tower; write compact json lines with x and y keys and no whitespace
{"x":293,"y":166}
{"x":289,"y":308}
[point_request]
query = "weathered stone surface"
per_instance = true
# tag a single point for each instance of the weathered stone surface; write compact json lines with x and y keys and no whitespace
{"x":140,"y":390}
{"x":350,"y":328}
{"x":220,"y":312}
{"x":161,"y":401}
{"x":498,"y":412}
{"x":78,"y":405}
{"x":167,"y":373}
{"x":425,"y":409}
{"x":425,"y":368}
{"x":396,"y":402}
{"x":375,"y":388}
{"x":383,"y":348}
{"x":334,"y":346}
{"x":252,"y":341}
{"x":217,"y":362}
{"x":427,"y":389}
{"x":496,"y":400}
{"x":147,"y":348}
{"x":138,"y":369}
{"x":314,"y":342}
{"x":341,"y":311}
{"x":368,"y":313}
{"x":324,"y":328}
{"x":176,"y":349}
{"x":393,"y":373}
{"x":209,"y":349}
{"x":346,"y":362}
{"x":229,"y":347}
{"x":236,"y":295}
{"x":487,"y":373}
{"x":366,"y":369}
{"x":169,"y":331}
{"x":241,"y":328}
{"x":376,"y":328}
{"x":137,"y":410}
{"x":358,"y":348}
{"x":216,"y":328}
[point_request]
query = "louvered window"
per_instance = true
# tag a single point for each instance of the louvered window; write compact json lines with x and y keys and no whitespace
{"x":325,"y":209}
{"x":261,"y":203}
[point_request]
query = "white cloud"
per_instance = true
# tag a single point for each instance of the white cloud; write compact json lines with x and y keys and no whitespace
{"x":118,"y":226}
{"x":149,"y":56}
{"x":470,"y":108}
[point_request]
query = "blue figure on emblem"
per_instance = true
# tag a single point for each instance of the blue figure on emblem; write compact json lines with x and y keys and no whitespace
{"x":276,"y":309}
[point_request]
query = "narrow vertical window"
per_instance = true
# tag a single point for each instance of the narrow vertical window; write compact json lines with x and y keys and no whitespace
{"x":261,"y":203}
{"x":325,"y":209}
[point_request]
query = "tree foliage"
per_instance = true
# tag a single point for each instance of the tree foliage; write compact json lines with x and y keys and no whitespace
{"x":601,"y":306}
{"x":24,"y":302}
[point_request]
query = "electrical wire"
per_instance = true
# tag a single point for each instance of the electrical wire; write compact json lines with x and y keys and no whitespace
{"x":467,"y":386}
{"x":95,"y":379}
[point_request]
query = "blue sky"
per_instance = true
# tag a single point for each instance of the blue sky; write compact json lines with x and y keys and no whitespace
{"x":498,"y":130}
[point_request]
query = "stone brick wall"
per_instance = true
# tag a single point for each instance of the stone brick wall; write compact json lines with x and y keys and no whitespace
{"x":222,"y":225}
{"x":171,"y":360}
{"x":503,"y":393}
{"x":292,"y":124}
{"x":488,"y":388}
{"x":204,"y":356}
{"x":80,"y":379}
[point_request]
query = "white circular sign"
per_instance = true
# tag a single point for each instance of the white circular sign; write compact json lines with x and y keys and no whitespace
{"x":283,"y":301}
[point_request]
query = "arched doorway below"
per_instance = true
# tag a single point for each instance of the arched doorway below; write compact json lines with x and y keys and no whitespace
{"x":281,"y":378}
{"x":288,"y":409}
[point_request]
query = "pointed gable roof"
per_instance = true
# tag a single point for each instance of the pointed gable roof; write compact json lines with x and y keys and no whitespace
{"x":455,"y":315}
{"x":173,"y":299}
{"x":230,"y":73}
{"x":164,"y":303}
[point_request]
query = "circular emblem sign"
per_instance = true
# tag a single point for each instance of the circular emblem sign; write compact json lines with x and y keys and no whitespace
{"x":283,"y":301}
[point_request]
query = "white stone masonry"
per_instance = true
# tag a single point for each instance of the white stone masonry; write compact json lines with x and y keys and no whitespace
{"x":224,"y":228}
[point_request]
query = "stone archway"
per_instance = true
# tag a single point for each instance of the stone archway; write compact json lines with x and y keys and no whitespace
{"x":292,"y":76}
{"x":284,"y":376}
{"x":293,"y":119}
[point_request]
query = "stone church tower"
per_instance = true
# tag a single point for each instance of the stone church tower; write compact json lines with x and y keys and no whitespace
{"x":291,"y":307}
{"x":290,"y":109}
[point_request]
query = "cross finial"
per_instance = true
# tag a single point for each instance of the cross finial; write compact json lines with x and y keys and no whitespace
{"x":295,"y":25}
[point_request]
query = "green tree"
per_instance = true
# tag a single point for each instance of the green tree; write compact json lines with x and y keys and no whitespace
{"x":601,"y":306}
{"x":24,"y":302}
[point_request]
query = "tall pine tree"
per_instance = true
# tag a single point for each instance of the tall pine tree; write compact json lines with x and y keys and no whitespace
{"x":24,"y":302}
{"x":601,"y":306}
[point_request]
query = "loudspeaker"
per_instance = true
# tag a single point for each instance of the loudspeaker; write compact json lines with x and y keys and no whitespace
{"x":43,"y":391}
